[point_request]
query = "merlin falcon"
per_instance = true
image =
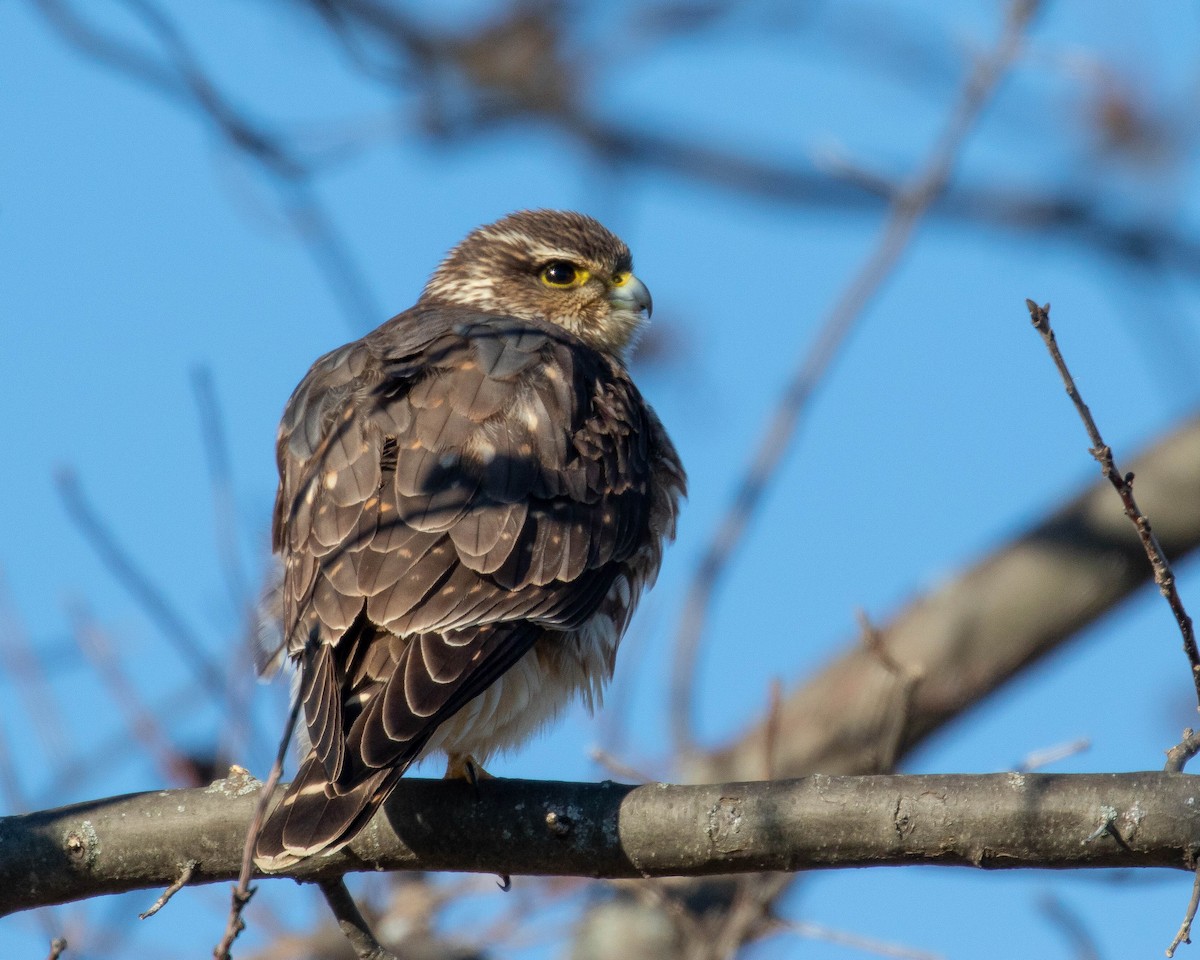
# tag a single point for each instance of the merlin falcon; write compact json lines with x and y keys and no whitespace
{"x":472,"y":498}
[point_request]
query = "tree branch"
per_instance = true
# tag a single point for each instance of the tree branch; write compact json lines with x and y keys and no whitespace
{"x":970,"y":636}
{"x":614,"y":830}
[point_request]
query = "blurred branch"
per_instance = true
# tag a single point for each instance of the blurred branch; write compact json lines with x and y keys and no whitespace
{"x":27,"y":673}
{"x":907,"y":208}
{"x":1077,"y":935}
{"x":220,"y":475}
{"x":152,"y":599}
{"x":611,"y":830}
{"x":351,"y":921}
{"x":145,"y":727}
{"x":1020,"y":603}
{"x":240,"y":667}
{"x":175,"y":72}
{"x":522,"y":68}
{"x":242,"y":891}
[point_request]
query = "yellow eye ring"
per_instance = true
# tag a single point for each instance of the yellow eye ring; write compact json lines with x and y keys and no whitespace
{"x":563,"y":274}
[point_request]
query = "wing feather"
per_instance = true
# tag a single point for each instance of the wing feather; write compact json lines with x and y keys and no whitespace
{"x":452,"y":487}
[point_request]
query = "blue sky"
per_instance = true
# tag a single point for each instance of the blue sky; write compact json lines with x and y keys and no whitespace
{"x":134,"y":247}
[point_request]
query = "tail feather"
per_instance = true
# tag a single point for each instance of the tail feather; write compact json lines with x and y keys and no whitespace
{"x":315,"y":816}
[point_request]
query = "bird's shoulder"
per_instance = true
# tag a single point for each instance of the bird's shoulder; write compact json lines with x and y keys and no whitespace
{"x":468,"y":364}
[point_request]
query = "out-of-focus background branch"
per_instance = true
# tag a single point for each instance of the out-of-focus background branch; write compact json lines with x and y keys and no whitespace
{"x":197,"y":200}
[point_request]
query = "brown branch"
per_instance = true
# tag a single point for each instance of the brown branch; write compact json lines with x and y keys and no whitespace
{"x":1073,"y":929}
{"x":242,"y":892}
{"x":1182,"y":752}
{"x":1164,"y":576}
{"x":138,"y":584}
{"x":351,"y":921}
{"x":612,"y":830}
{"x":419,"y":59}
{"x":1184,"y":934}
{"x":1014,"y":607}
{"x":906,"y":210}
{"x":142,"y":723}
{"x":817,"y":931}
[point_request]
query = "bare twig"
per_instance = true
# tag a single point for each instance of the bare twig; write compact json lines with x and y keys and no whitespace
{"x":57,"y":947}
{"x":1037,"y":759}
{"x":351,"y":921}
{"x":618,"y":767}
{"x":1179,"y":755}
{"x":1184,"y":934}
{"x":1065,"y":919}
{"x":974,"y":632}
{"x":898,"y":708}
{"x":140,"y":720}
{"x":242,"y":892}
{"x":417,"y":58}
{"x":817,"y":931}
{"x":905,"y":212}
{"x":748,"y":916}
{"x":238,"y":726}
{"x":220,"y":474}
{"x":185,"y":874}
{"x":771,"y":733}
{"x":27,"y":673}
{"x":178,"y":74}
{"x":1164,"y":576}
{"x":151,"y":597}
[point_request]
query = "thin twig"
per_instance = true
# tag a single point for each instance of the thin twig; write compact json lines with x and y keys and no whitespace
{"x":28,"y":674}
{"x":1065,"y":919}
{"x":185,"y":874}
{"x":220,"y":478}
{"x":178,"y":74}
{"x":352,"y":923}
{"x":151,"y":597}
{"x":142,"y":722}
{"x":771,"y":727}
{"x":817,"y":931}
{"x":57,"y":947}
{"x":237,"y":728}
{"x":618,"y":767}
{"x":899,"y":710}
{"x":906,"y":210}
{"x":1184,"y":935}
{"x":1179,"y":755}
{"x":243,"y":891}
{"x":1164,"y":576}
{"x":1037,"y":759}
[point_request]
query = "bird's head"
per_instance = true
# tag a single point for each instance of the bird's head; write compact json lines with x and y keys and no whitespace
{"x":552,"y":265}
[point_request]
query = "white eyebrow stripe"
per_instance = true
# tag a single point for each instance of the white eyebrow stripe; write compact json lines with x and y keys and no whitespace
{"x":540,"y":253}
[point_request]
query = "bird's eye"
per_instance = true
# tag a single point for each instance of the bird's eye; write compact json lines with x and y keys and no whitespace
{"x":563,"y":274}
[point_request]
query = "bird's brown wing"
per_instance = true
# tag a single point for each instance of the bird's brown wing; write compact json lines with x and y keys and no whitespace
{"x":444,"y":499}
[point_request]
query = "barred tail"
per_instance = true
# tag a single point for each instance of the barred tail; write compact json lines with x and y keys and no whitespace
{"x":316,"y":816}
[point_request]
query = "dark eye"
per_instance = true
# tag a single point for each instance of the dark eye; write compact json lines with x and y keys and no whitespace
{"x":562,"y":273}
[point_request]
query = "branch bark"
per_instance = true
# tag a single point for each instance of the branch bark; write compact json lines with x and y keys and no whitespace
{"x":968,"y":638}
{"x":618,"y":831}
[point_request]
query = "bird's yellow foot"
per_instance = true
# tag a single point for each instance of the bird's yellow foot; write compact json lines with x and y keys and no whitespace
{"x":463,"y":766}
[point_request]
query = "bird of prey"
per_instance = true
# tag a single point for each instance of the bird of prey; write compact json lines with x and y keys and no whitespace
{"x":472,"y":498}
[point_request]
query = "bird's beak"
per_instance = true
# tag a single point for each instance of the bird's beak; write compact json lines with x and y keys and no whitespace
{"x":627,"y":292}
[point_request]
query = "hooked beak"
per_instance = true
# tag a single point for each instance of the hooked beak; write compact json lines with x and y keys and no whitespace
{"x":629,"y":293}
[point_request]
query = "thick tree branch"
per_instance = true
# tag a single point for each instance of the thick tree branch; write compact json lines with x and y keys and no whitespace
{"x":968,"y":638}
{"x":613,"y":830}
